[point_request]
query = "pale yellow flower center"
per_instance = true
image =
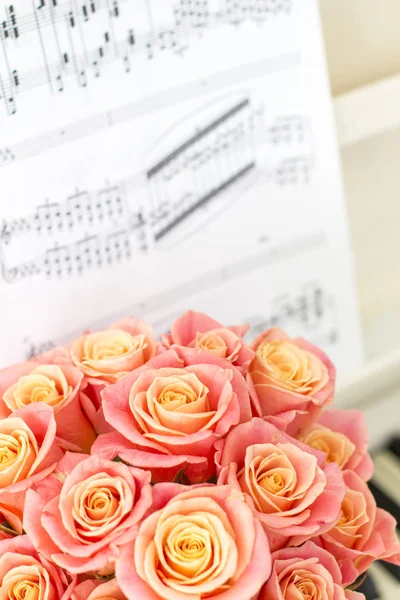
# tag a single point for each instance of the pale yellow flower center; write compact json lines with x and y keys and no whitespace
{"x":272,"y":483}
{"x":337,"y":446}
{"x":101,"y":503}
{"x":25,"y":590}
{"x":9,"y":451}
{"x":213,"y":343}
{"x":291,"y":367}
{"x":16,"y":456}
{"x":46,"y":383}
{"x":307,"y":589}
{"x":190,"y":549}
{"x":36,"y":388}
{"x":18,"y":451}
{"x":110,"y":344}
{"x":176,"y":395}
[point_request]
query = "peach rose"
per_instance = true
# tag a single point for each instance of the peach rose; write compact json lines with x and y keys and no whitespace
{"x":305,"y":573}
{"x":28,"y":453}
{"x":293,"y":493}
{"x":342,"y":435}
{"x":169,"y":413}
{"x":25,"y":574}
{"x":363,"y":533}
{"x":94,"y":590}
{"x":58,"y":386}
{"x":106,"y":356}
{"x":196,"y":330}
{"x":200,"y":543}
{"x":79,"y":518}
{"x":112,"y":353}
{"x":293,"y":380}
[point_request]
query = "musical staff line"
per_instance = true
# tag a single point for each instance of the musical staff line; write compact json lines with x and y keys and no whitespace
{"x":69,"y":24}
{"x":126,"y":112}
{"x":176,"y":186}
{"x":212,"y":280}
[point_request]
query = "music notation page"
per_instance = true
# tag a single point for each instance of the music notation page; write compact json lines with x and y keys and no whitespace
{"x":159,"y":155}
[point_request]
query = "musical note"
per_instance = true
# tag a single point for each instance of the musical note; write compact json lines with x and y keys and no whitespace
{"x":68,"y":24}
{"x":6,"y":156}
{"x":309,"y":308}
{"x":292,"y":171}
{"x":107,"y":225}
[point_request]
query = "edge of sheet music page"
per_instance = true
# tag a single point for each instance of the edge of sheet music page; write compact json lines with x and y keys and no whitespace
{"x":156,"y":156}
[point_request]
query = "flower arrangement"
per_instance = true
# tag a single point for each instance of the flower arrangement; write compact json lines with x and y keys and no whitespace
{"x":191,"y":467}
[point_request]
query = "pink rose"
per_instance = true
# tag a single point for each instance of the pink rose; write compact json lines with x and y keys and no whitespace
{"x":94,"y":590}
{"x":57,"y":386}
{"x":106,"y":356}
{"x":24,"y":573}
{"x":363,"y":533}
{"x":293,"y":380}
{"x":169,"y":413}
{"x":293,"y":493}
{"x":343,"y":436}
{"x":196,"y":330}
{"x":79,"y":518}
{"x":305,"y":572}
{"x":200,"y":543}
{"x":110,"y":354}
{"x":29,"y":453}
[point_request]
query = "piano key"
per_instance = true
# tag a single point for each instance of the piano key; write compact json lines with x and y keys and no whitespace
{"x":369,"y":589}
{"x":385,"y":486}
{"x":387,"y":586}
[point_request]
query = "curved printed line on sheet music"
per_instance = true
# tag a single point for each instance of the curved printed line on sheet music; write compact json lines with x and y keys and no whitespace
{"x":126,"y":112}
{"x":213,"y":278}
{"x":241,"y":94}
{"x":249,"y":182}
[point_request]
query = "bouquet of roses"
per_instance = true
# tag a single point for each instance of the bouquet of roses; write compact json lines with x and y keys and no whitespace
{"x":192,"y":467}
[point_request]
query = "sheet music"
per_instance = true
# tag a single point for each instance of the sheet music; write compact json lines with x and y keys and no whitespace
{"x":159,"y":155}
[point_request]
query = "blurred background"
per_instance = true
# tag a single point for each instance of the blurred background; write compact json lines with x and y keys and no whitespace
{"x":362,"y":44}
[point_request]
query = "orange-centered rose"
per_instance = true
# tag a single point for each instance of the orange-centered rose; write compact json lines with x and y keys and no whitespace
{"x":202,"y":543}
{"x":305,"y":573}
{"x":26,"y":575}
{"x":168,"y":414}
{"x":196,"y":330}
{"x":290,"y":367}
{"x":56,"y":385}
{"x":95,"y":505}
{"x":114,"y":352}
{"x":292,"y":379}
{"x":337,"y":446}
{"x":18,"y":451}
{"x":46,"y":383}
{"x":343,"y":436}
{"x":293,"y":493}
{"x":363,"y":533}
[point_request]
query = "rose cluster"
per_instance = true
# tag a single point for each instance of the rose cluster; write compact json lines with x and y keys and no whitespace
{"x":194,"y":466}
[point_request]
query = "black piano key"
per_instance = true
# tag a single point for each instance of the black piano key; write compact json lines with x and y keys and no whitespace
{"x":369,"y":589}
{"x":394,"y":446}
{"x":385,"y":492}
{"x":383,"y":501}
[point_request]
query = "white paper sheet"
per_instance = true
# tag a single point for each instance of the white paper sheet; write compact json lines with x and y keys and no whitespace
{"x":159,"y":155}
